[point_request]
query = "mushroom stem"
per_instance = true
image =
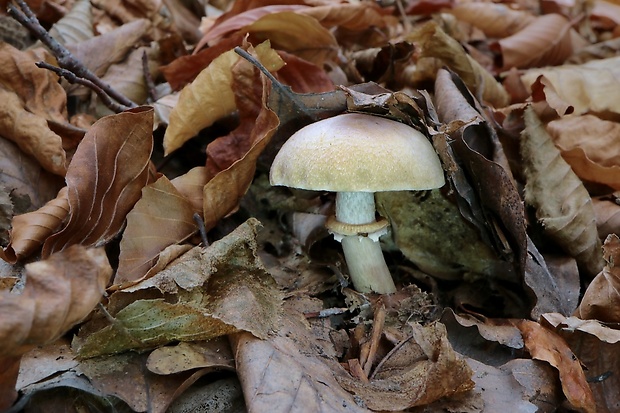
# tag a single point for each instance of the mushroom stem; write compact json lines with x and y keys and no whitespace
{"x":364,"y":257}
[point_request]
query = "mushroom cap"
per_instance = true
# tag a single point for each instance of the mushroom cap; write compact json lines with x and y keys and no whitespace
{"x":357,"y":153}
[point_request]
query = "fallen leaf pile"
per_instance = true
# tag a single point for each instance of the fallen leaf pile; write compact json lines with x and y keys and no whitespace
{"x":148,"y":265}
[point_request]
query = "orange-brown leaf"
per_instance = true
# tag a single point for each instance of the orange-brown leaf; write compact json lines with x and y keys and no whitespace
{"x":105,"y":177}
{"x":60,"y":292}
{"x":32,"y":229}
{"x":544,"y":42}
{"x":162,"y":217}
{"x":547,"y":346}
{"x":494,"y":19}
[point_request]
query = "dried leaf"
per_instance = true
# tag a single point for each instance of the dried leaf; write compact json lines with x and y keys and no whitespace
{"x":111,"y":47}
{"x":287,"y":371}
{"x":76,"y":26}
{"x":161,"y":217}
{"x":38,"y":89}
{"x":494,"y":19}
{"x":214,"y":354}
{"x":31,"y":133}
{"x":607,"y":213}
{"x":105,"y":177}
{"x":545,"y":345}
{"x":434,"y":42}
{"x":420,"y":370}
{"x":590,"y":146}
{"x":601,"y":301}
{"x":220,"y":290}
{"x":32,"y":229}
{"x":351,"y":16}
{"x":190,"y":186}
{"x":60,"y":292}
{"x":579,"y":89}
{"x":209,"y":97}
{"x":567,"y":216}
{"x":546,"y":41}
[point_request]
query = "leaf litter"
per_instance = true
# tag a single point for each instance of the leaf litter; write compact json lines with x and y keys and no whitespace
{"x":167,"y":275}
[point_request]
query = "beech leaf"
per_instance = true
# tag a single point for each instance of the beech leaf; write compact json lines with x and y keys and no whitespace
{"x":105,"y":177}
{"x":60,"y":292}
{"x":161,"y":217}
{"x":568,"y":215}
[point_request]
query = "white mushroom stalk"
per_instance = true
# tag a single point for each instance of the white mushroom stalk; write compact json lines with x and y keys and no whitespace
{"x":356,"y":155}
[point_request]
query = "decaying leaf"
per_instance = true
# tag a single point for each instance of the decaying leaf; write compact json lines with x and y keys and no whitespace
{"x":219,"y":290}
{"x":418,"y":371}
{"x":60,"y":292}
{"x":214,"y":354}
{"x":104,"y":179}
{"x":494,"y":19}
{"x":75,"y":26}
{"x":161,"y":217}
{"x":562,"y":204}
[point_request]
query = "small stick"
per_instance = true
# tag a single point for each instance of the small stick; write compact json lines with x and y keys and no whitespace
{"x":201,"y":229}
{"x":148,"y":79}
{"x":377,"y":331}
{"x":65,"y":59}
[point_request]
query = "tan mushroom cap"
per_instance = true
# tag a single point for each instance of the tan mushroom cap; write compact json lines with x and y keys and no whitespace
{"x":357,"y":153}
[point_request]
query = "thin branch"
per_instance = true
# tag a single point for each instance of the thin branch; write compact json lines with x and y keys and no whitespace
{"x":72,"y":78}
{"x":148,"y":79}
{"x":65,"y":59}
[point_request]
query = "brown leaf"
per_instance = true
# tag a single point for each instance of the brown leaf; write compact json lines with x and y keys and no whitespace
{"x":568,"y":216}
{"x":31,"y":133}
{"x":211,"y":90}
{"x":546,"y":41}
{"x":38,"y":89}
{"x":494,"y":19}
{"x":351,"y":16}
{"x":60,"y":292}
{"x":572,"y":89}
{"x":32,"y":229}
{"x":75,"y":26}
{"x":287,"y":372}
{"x":213,"y":354}
{"x":190,"y":186}
{"x":160,"y":218}
{"x":105,"y":177}
{"x":607,"y":213}
{"x":434,"y":42}
{"x":601,"y":301}
{"x":590,"y":145}
{"x":418,"y":371}
{"x":545,"y":345}
{"x":597,"y":346}
{"x":9,"y":369}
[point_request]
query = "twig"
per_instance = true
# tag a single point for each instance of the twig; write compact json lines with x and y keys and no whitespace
{"x":65,"y":59}
{"x":148,"y":79}
{"x":72,"y":78}
{"x":201,"y":229}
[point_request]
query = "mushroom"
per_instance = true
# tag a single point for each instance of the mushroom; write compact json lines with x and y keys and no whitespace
{"x":356,"y":155}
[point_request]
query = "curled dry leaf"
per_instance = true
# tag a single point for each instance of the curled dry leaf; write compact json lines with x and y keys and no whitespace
{"x":568,"y":216}
{"x":577,"y":89}
{"x":60,"y":292}
{"x":351,"y":16}
{"x":590,"y":145}
{"x":160,"y":218}
{"x":546,"y":41}
{"x":76,"y":26}
{"x":434,"y":42}
{"x":190,"y":186}
{"x":546,"y":345}
{"x":206,"y":293}
{"x":39,"y":90}
{"x":601,"y":300}
{"x":105,"y":177}
{"x":494,"y":19}
{"x":210,"y":97}
{"x":214,"y":354}
{"x":30,"y":230}
{"x":31,"y":133}
{"x":111,"y":47}
{"x":418,"y":371}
